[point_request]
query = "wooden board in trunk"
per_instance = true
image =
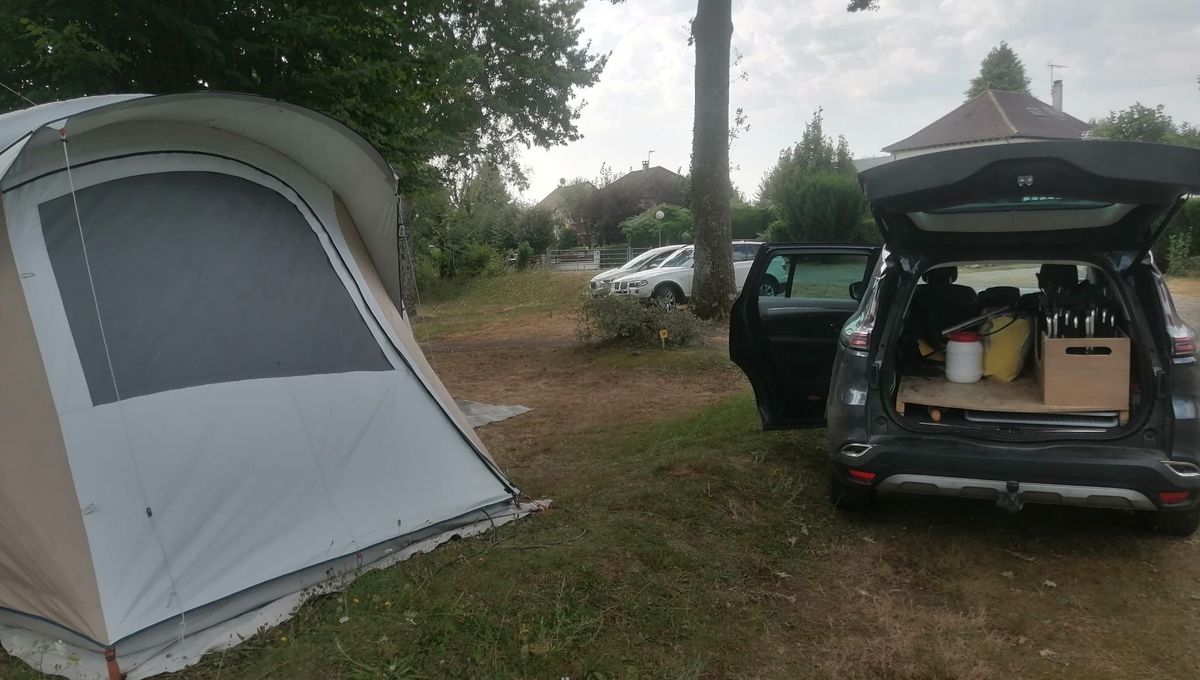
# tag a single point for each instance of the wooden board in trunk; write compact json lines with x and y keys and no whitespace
{"x":1022,"y":395}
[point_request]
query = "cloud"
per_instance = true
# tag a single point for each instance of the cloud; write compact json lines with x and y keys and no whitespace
{"x":879,"y":76}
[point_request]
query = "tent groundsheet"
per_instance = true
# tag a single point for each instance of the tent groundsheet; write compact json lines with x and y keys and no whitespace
{"x":57,"y":657}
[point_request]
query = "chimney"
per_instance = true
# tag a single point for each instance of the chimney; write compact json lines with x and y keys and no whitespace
{"x":645,"y":165}
{"x":1056,"y":96}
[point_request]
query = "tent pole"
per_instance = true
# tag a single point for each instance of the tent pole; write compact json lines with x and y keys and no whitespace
{"x":114,"y":669}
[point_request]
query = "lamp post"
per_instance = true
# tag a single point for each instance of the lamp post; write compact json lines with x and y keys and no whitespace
{"x":659,"y":215}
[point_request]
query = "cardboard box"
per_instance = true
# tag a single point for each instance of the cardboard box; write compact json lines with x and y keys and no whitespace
{"x":1081,"y":374}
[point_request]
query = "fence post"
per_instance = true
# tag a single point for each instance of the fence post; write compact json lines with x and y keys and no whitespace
{"x":596,"y":257}
{"x":628,"y":251}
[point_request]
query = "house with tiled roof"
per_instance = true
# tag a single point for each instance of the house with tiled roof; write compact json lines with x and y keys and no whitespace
{"x":994,"y":117}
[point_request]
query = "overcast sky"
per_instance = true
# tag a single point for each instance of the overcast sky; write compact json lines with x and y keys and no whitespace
{"x":880,"y":76}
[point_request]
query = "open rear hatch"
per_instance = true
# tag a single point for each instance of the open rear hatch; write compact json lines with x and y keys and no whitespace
{"x":1036,"y":196}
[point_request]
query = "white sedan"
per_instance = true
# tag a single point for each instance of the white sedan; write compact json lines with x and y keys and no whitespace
{"x":671,"y":282}
{"x":650,"y":259}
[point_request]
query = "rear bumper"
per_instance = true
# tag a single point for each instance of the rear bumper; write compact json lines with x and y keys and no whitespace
{"x":1090,"y":476}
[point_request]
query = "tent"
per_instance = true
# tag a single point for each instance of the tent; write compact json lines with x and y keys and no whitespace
{"x":211,"y":402}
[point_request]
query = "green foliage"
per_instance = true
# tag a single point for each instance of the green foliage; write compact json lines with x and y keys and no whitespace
{"x":814,"y":153}
{"x":749,"y":221}
{"x":1181,"y":239}
{"x":1001,"y":69}
{"x":568,"y":239}
{"x":812,"y":192}
{"x":536,"y":229}
{"x":646,"y":230}
{"x":818,"y":207}
{"x":1179,"y":251}
{"x":422,"y":80}
{"x":524,"y":256}
{"x":1137,"y":123}
{"x":1140,"y":123}
{"x":619,"y":318}
{"x":479,"y":259}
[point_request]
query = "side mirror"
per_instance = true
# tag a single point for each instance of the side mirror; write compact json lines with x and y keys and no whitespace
{"x":857,"y":289}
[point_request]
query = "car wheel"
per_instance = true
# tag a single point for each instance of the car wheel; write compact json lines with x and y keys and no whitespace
{"x":769,"y":287}
{"x":847,"y":496}
{"x":668,"y":295}
{"x":1179,"y":523}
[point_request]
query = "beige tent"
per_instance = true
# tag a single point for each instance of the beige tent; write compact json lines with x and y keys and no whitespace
{"x":211,"y":403}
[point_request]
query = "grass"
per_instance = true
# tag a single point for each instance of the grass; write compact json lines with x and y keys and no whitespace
{"x":694,"y":546}
{"x":699,"y":548}
{"x":455,"y":306}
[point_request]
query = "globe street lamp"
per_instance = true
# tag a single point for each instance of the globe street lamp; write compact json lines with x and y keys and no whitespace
{"x":659,"y":215}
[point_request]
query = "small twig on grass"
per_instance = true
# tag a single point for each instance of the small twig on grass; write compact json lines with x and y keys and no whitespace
{"x":535,"y":546}
{"x":1019,"y":556}
{"x":357,"y":664}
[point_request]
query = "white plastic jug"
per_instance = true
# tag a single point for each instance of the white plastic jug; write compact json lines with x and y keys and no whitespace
{"x":964,"y":357}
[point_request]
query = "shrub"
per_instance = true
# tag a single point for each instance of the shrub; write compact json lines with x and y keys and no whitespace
{"x":524,"y":256}
{"x":1179,"y":250}
{"x":425,"y":269}
{"x":616,"y":318}
{"x":568,"y":239}
{"x":479,"y":259}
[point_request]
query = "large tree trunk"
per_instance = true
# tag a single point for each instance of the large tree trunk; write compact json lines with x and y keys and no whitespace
{"x":712,"y":283}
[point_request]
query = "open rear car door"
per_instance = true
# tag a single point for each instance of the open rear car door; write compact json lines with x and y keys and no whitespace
{"x":784,"y":327}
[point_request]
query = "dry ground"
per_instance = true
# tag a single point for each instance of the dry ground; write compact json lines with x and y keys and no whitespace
{"x":683,"y":543}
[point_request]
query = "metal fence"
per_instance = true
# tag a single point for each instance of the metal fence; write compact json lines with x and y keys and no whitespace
{"x":587,"y":259}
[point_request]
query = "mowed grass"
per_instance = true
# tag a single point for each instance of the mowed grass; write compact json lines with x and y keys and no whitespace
{"x":696,"y":546}
{"x":458,"y":306}
{"x":700,"y":548}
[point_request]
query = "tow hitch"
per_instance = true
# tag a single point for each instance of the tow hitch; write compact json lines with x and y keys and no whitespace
{"x":1009,"y":501}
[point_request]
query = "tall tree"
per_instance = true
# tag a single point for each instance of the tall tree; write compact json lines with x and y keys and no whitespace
{"x":814,"y":153}
{"x":713,"y":282}
{"x":1001,"y":69}
{"x":435,"y":84}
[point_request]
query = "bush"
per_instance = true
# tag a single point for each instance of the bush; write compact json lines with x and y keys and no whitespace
{"x":616,"y":318}
{"x":524,"y":256}
{"x":425,"y":270}
{"x":645,"y":230}
{"x":1179,"y":251}
{"x":1185,"y":224}
{"x":818,"y":207}
{"x":568,"y":239}
{"x":479,"y":259}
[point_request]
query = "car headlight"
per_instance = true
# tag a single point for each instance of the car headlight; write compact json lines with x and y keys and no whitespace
{"x":639,"y":284}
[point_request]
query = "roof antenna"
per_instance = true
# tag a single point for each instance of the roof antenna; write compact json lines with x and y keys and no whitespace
{"x":27,"y":99}
{"x":1051,"y":65}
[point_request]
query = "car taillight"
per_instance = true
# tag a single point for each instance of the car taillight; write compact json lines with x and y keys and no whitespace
{"x":1183,"y":339}
{"x":856,"y":334}
{"x":859,"y":339}
{"x":1182,"y":345}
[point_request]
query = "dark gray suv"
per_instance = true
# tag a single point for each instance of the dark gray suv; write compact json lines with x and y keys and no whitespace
{"x":1052,"y":236}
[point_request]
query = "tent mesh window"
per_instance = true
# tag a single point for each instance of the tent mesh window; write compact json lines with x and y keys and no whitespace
{"x":199,"y":278}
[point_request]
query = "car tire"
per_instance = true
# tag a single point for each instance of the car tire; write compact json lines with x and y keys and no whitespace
{"x":769,"y":286}
{"x":852,"y":497}
{"x":668,"y":295}
{"x":1181,"y":523}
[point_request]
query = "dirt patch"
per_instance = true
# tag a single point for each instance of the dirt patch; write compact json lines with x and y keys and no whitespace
{"x":569,"y":389}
